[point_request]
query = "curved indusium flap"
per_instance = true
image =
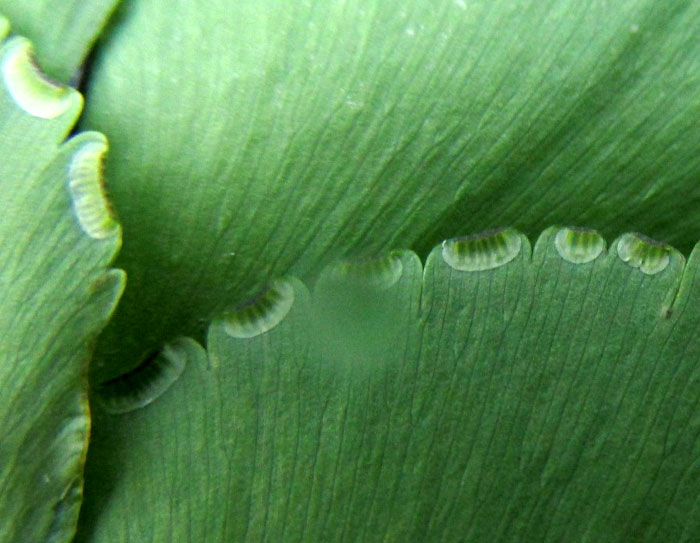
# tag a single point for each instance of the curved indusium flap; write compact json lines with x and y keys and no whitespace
{"x":552,"y":397}
{"x":57,"y":239}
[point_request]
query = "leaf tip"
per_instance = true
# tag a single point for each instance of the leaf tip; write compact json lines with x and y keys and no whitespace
{"x":149,"y":380}
{"x":638,"y":251}
{"x":29,"y":88}
{"x":382,"y":272}
{"x":261,"y":314}
{"x":483,"y":251}
{"x":579,"y":245}
{"x":4,"y":27}
{"x":87,"y":189}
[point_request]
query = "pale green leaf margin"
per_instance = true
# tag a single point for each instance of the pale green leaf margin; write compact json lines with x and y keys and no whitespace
{"x":498,"y":393}
{"x":57,"y":238}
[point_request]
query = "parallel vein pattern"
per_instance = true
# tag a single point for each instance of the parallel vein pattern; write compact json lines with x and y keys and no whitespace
{"x":63,"y":30}
{"x":258,"y":138}
{"x":56,"y":293}
{"x":553,"y":397}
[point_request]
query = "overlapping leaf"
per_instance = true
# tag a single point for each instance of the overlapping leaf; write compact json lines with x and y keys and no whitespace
{"x":257,"y":137}
{"x":62,"y":30}
{"x":494,"y":396}
{"x":56,"y":239}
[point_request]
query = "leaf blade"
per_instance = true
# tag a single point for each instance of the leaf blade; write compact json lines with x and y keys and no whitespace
{"x":303,"y":133}
{"x":63,"y":31}
{"x":56,"y":293}
{"x":544,"y":399}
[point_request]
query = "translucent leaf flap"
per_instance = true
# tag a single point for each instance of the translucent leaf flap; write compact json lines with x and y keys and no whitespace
{"x":551,"y":397}
{"x":56,"y":294}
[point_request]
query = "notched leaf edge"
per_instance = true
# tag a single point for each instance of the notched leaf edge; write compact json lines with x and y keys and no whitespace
{"x":484,"y":252}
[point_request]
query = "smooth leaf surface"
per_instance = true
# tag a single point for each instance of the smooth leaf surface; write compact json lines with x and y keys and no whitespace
{"x":494,"y":396}
{"x":258,"y":138}
{"x":62,"y":30}
{"x":56,"y":240}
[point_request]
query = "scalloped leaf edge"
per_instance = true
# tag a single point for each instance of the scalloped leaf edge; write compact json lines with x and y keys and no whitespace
{"x":477,"y":253}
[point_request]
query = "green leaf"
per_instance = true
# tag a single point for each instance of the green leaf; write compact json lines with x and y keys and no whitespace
{"x":258,"y":138}
{"x":56,"y":240}
{"x":494,"y":396}
{"x":62,"y":30}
